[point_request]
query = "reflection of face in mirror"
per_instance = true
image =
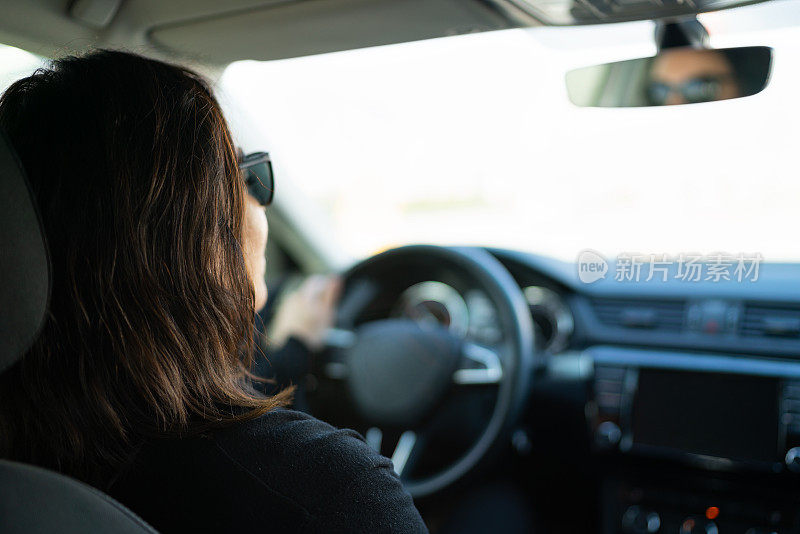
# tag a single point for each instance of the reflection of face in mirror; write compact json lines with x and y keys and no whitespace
{"x":674,"y":76}
{"x":689,"y":76}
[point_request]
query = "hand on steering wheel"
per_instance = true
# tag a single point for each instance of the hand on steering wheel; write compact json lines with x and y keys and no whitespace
{"x":307,"y":313}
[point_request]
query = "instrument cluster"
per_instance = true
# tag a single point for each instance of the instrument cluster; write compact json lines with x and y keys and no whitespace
{"x":471,"y":314}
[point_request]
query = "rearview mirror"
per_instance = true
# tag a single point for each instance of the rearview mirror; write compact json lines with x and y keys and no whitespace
{"x":674,"y":76}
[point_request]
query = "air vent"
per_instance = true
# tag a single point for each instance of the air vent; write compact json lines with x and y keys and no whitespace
{"x":664,"y":315}
{"x":771,"y":320}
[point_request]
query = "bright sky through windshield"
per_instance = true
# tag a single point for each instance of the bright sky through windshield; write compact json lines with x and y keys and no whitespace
{"x":471,"y":139}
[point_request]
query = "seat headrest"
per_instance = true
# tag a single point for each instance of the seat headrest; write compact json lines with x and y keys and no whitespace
{"x":24,"y":267}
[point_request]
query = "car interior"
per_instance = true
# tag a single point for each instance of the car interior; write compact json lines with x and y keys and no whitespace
{"x":566,"y":231}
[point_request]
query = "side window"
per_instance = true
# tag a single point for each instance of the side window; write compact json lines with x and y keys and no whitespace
{"x":16,"y":63}
{"x":283,"y":273}
{"x":280,"y":263}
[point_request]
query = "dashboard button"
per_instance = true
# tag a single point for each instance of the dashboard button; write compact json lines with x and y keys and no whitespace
{"x":698,"y":525}
{"x":607,"y":434}
{"x":637,"y":520}
{"x":792,"y":459}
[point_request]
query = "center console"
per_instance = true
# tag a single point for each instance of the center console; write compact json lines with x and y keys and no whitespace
{"x":724,"y":429}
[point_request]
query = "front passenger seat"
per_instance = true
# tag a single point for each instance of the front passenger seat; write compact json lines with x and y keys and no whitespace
{"x":34,"y":500}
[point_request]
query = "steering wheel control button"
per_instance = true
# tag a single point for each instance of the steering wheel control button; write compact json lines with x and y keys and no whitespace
{"x":638,"y":520}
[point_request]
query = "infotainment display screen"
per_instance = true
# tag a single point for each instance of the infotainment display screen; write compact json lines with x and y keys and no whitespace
{"x":721,"y":415}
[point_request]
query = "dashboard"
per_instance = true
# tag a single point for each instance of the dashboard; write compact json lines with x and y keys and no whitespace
{"x":692,"y":396}
{"x":687,"y":395}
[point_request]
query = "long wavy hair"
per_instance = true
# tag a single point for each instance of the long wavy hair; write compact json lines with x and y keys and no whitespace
{"x":150,"y":325}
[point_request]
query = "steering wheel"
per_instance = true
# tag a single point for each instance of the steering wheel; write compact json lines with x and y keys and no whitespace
{"x":399,"y":373}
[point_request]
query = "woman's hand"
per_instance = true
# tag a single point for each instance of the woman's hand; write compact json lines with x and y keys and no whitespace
{"x":307,"y":312}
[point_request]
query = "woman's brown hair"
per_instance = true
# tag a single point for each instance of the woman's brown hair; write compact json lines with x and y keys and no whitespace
{"x":150,"y":324}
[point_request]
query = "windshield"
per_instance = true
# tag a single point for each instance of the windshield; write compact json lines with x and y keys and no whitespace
{"x":472,"y":140}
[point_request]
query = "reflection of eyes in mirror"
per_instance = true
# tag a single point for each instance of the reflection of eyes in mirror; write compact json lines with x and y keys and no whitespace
{"x":675,"y":76}
{"x":688,"y":76}
{"x":693,"y":90}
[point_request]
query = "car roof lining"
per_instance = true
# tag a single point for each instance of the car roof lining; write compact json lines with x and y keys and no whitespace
{"x":213,"y":33}
{"x":291,"y":29}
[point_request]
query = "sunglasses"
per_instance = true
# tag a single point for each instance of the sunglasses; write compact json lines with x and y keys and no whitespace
{"x":257,"y":171}
{"x":694,"y":91}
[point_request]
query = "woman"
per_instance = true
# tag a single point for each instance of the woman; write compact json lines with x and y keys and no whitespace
{"x":138,"y":383}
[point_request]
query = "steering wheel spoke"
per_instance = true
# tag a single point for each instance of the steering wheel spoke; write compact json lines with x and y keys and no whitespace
{"x":340,"y":338}
{"x":374,"y":438}
{"x":408,"y":446}
{"x":489,"y":369}
{"x":406,"y":451}
{"x":337,"y":342}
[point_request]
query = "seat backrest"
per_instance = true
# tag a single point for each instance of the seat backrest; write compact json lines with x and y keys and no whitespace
{"x":24,"y":272}
{"x":34,"y":500}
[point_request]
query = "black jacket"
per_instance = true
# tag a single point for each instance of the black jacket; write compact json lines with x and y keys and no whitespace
{"x":283,"y":472}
